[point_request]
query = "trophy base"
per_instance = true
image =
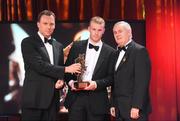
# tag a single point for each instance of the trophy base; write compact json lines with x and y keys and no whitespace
{"x":81,"y":85}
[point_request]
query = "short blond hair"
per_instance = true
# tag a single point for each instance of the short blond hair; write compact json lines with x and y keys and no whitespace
{"x":98,"y":20}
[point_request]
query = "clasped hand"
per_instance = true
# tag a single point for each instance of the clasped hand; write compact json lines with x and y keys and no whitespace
{"x":59,"y":84}
{"x":92,"y":86}
{"x":134,"y":113}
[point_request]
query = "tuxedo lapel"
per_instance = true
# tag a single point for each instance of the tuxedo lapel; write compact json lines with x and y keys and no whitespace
{"x":55,"y":52}
{"x":100,"y":60}
{"x":42,"y":47}
{"x":124,"y":59}
{"x":83,"y":46}
{"x":126,"y":56}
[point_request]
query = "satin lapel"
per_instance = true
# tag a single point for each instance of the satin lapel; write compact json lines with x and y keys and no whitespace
{"x":83,"y":46}
{"x":124,"y":59}
{"x":45,"y":51}
{"x":42,"y":47}
{"x":116,"y":55}
{"x":126,"y":56}
{"x":55,"y":53}
{"x":100,"y":60}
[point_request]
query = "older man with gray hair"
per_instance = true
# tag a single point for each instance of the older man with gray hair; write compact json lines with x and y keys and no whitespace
{"x":130,"y":92}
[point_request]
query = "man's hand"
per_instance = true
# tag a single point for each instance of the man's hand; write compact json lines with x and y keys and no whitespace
{"x":59,"y":84}
{"x":71,"y":84}
{"x":92,"y":85}
{"x":74,"y":68}
{"x":112,"y":111}
{"x":134,"y":113}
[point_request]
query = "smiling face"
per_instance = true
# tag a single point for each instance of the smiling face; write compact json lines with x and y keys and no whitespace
{"x":122,"y":33}
{"x":46,"y":25}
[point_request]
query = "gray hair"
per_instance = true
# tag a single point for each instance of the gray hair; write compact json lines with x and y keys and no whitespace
{"x":126,"y":25}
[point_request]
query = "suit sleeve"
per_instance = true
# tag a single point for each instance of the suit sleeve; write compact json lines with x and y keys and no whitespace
{"x":33,"y":60}
{"x":142,"y":78}
{"x":69,"y":61}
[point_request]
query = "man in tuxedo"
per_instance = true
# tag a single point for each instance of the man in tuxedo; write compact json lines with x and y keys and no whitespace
{"x":44,"y":71}
{"x":131,"y":78}
{"x":91,"y":103}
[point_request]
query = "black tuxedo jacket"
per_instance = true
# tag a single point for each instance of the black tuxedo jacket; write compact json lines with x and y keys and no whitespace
{"x":103,"y":74}
{"x":40,"y":75}
{"x":131,"y":80}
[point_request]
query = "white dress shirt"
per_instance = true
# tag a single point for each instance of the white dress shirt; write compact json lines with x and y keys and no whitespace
{"x":121,"y":55}
{"x":90,"y":60}
{"x":49,"y":48}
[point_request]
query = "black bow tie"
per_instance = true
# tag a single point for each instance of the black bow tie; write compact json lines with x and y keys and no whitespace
{"x":48,"y":40}
{"x":92,"y":46}
{"x":122,"y":48}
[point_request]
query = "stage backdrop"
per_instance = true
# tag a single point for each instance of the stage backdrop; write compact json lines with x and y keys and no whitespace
{"x":163,"y":43}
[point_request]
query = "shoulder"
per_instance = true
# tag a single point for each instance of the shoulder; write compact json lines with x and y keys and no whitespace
{"x":29,"y":39}
{"x":82,"y":42}
{"x":138,"y":47}
{"x":108,"y":47}
{"x":57,"y":42}
{"x":32,"y":38}
{"x":79,"y":44}
{"x":140,"y":50}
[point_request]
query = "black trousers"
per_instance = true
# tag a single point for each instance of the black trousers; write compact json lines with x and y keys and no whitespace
{"x":34,"y":114}
{"x":120,"y":117}
{"x":80,"y":111}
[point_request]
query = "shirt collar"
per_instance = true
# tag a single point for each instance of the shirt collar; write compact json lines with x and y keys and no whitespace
{"x":42,"y":37}
{"x":99,"y":43}
{"x":126,"y":44}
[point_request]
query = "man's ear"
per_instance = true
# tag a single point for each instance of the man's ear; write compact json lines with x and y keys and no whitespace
{"x":88,"y":28}
{"x":38,"y":24}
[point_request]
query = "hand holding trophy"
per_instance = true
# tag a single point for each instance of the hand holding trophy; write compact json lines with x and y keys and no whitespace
{"x":80,"y":84}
